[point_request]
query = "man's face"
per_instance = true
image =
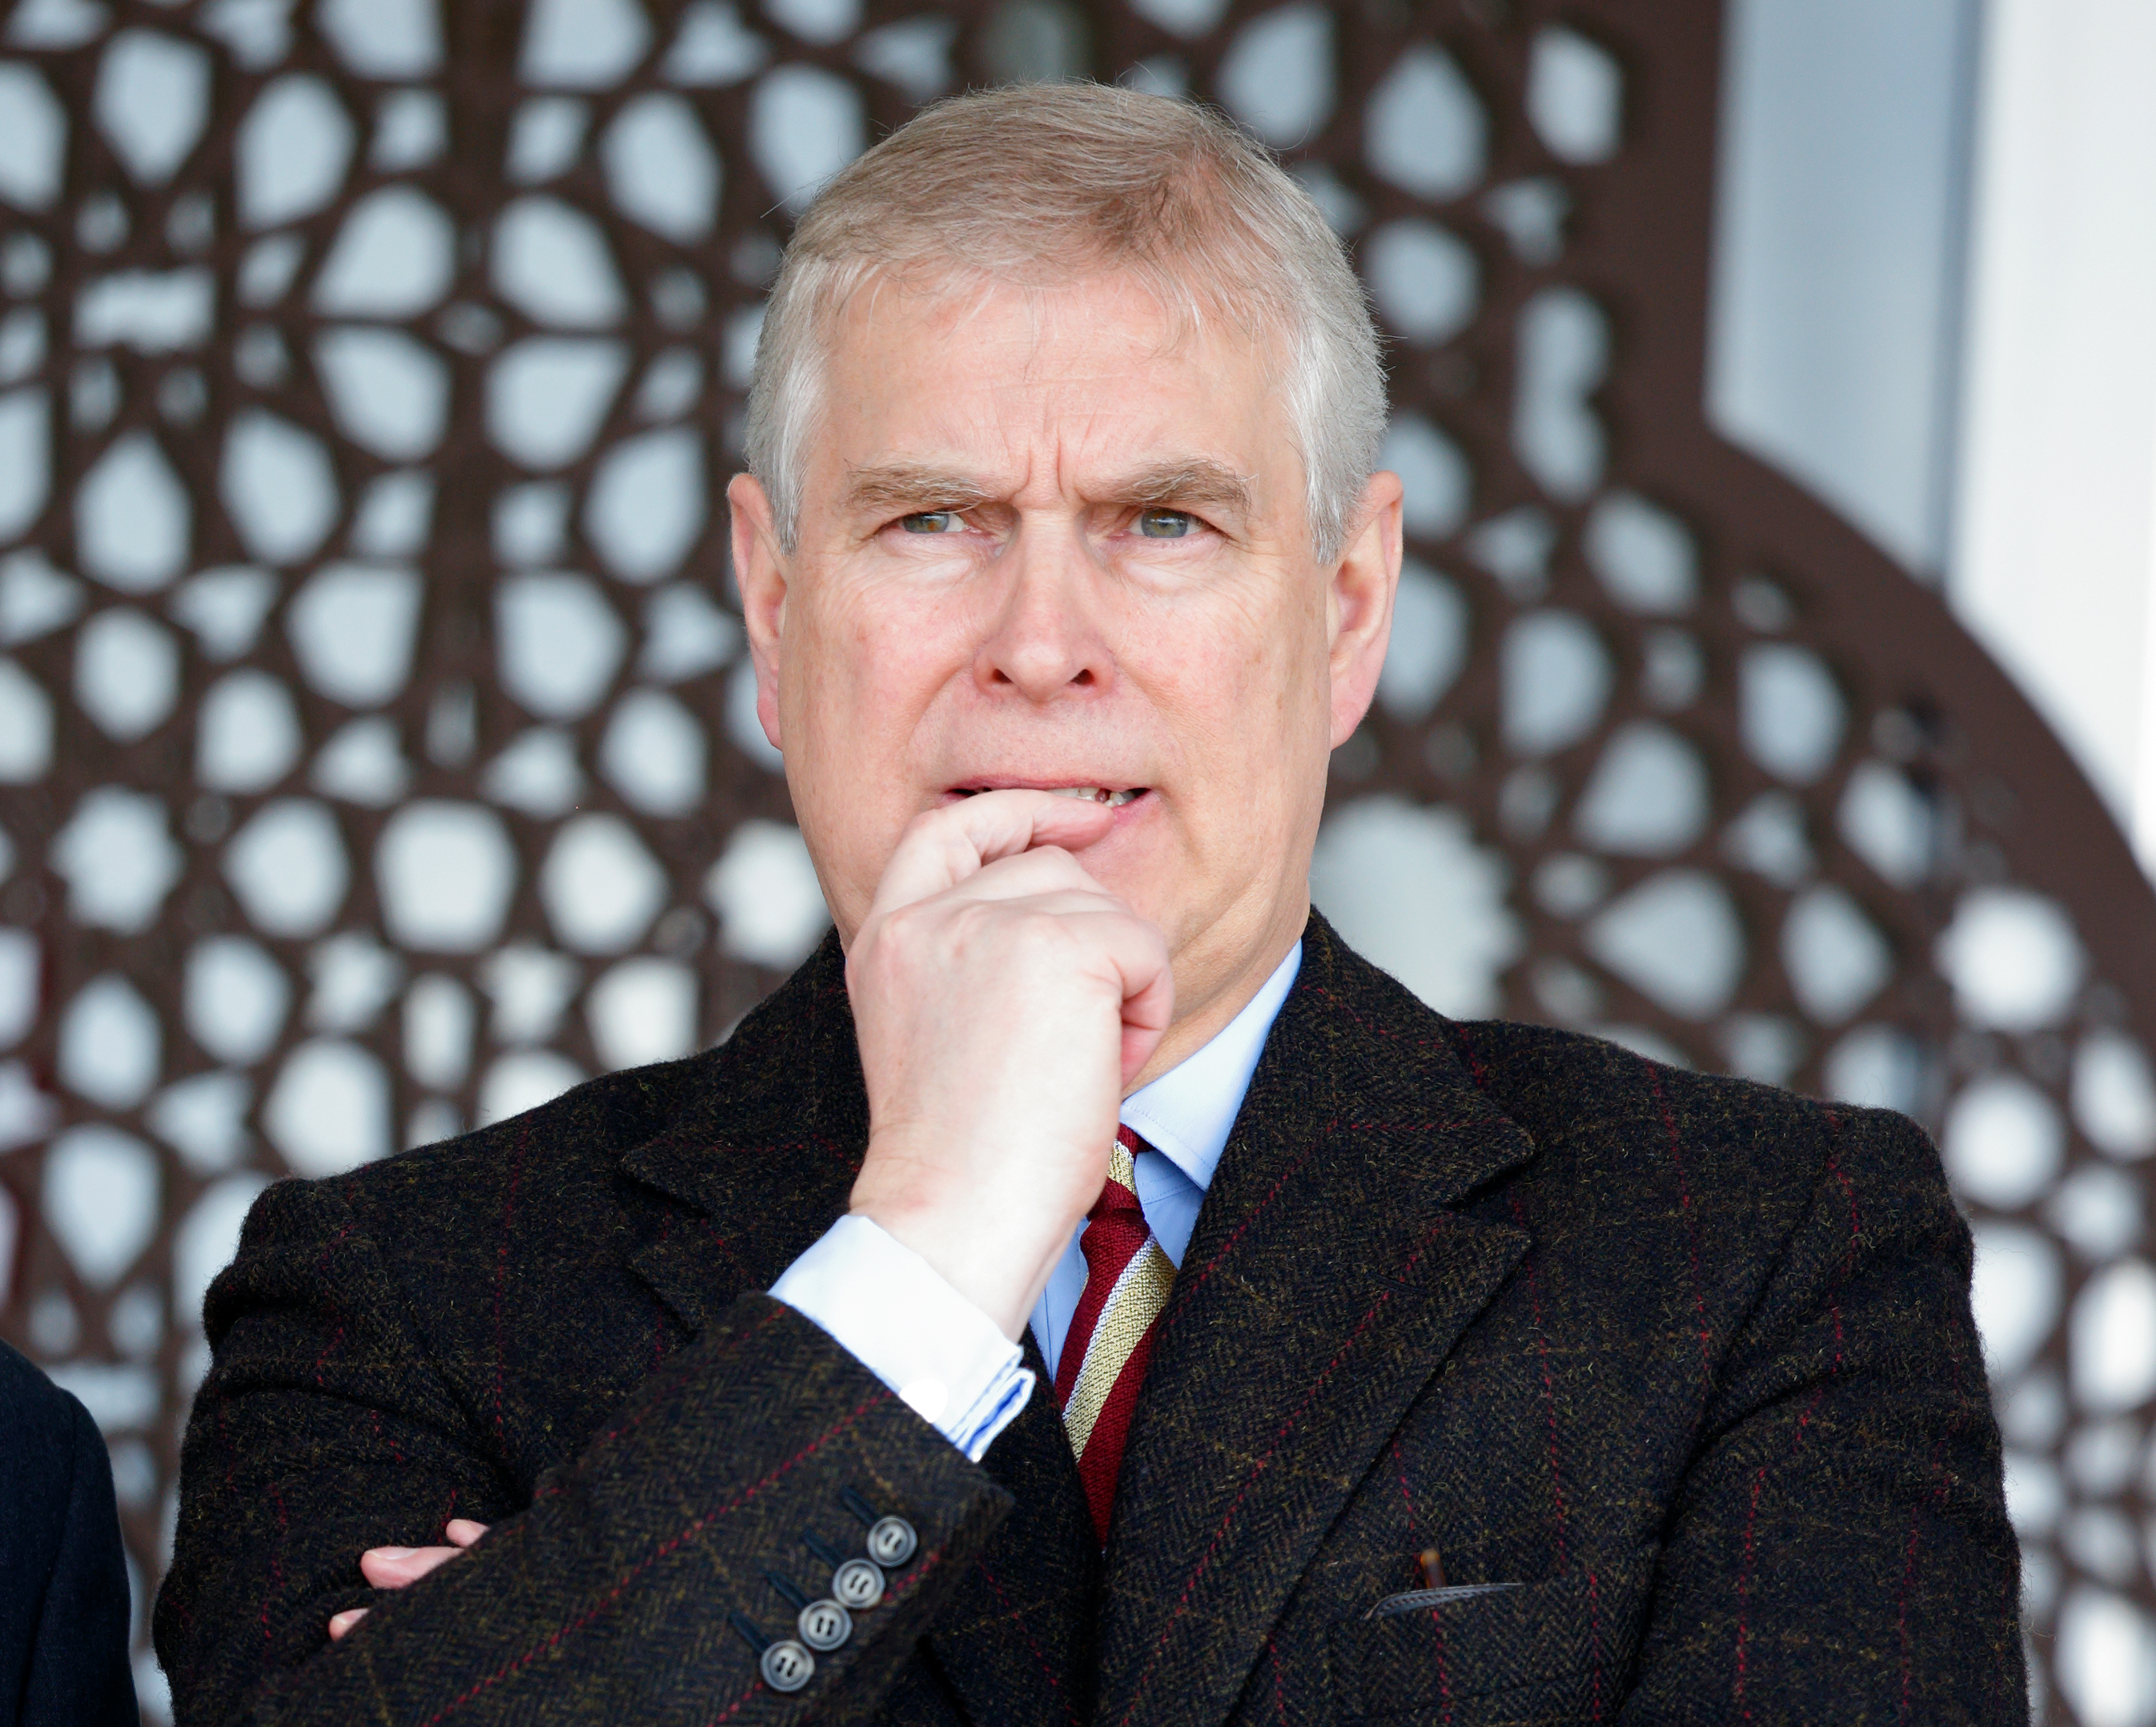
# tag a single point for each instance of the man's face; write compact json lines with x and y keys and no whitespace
{"x":1046,"y":542}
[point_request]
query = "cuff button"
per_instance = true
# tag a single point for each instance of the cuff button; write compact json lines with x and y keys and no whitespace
{"x":787,"y":1666}
{"x":891,"y":1542}
{"x":857,"y":1585}
{"x":825,"y":1625}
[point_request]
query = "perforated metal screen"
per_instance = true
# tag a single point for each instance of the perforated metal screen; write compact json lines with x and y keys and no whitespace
{"x":376,"y":751}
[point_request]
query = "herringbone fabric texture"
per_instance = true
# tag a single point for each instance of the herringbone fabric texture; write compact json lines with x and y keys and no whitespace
{"x":1688,"y":1361}
{"x":1102,"y":1366}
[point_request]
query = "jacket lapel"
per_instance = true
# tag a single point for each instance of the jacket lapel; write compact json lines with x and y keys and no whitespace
{"x":1325,"y":1283}
{"x":726,"y":1198}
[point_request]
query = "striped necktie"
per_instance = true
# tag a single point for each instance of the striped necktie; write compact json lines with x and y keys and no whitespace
{"x":1105,"y":1352}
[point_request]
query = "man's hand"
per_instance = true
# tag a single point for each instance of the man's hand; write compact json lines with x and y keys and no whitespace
{"x":1002,"y":999}
{"x":393,"y":1567}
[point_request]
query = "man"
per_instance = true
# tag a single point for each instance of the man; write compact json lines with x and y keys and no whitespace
{"x":63,"y":1580}
{"x":1168,"y":1319}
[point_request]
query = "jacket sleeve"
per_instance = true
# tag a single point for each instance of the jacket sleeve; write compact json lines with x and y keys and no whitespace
{"x":1839,"y":1549}
{"x":326,"y":1428}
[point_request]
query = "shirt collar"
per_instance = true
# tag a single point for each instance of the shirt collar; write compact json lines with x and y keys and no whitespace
{"x":1187,"y":1115}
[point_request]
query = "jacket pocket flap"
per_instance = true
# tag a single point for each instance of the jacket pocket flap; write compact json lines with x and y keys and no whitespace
{"x":1574,"y":1634}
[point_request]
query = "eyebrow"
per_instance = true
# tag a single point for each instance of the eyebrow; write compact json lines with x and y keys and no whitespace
{"x":1197,"y":481}
{"x":912,"y":488}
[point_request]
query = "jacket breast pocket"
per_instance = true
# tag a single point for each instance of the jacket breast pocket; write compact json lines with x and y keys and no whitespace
{"x":1550,"y":1651}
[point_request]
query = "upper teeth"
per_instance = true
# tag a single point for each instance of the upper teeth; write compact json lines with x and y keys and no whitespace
{"x":1096,"y":793}
{"x":1091,"y":793}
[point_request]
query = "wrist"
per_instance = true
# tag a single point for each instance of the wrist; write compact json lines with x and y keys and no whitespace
{"x":999,"y":1269}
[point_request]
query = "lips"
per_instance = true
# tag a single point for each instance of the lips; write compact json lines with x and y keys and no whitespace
{"x":1115,"y":799}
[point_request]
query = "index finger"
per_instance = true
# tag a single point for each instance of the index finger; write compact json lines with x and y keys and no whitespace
{"x":393,"y":1567}
{"x":945,"y":847}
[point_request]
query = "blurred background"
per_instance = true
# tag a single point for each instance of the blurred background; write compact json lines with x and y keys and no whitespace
{"x":1775,"y":389}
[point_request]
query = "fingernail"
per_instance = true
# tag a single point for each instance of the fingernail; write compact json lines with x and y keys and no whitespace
{"x":391,"y":1552}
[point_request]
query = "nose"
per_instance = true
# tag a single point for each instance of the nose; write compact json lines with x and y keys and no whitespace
{"x":1044,"y":641}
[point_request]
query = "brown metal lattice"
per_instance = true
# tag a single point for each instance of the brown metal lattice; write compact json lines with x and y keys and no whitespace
{"x":1920,"y":714}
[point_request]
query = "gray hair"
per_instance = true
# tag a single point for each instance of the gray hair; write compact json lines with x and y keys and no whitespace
{"x":1031,"y":182}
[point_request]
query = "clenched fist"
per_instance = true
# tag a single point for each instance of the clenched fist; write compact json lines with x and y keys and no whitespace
{"x":1002,"y":999}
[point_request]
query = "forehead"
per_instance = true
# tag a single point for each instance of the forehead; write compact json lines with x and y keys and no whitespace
{"x":1087,"y":368}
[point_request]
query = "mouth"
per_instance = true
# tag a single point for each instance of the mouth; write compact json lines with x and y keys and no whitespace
{"x":1114,"y":797}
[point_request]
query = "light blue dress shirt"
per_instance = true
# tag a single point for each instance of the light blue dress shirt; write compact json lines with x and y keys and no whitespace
{"x":945,"y":1357}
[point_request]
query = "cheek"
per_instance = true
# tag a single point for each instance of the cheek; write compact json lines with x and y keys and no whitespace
{"x":1248,"y":700}
{"x":1270,"y":680}
{"x":872,"y":662}
{"x":1276,"y":733}
{"x":839,"y":725}
{"x":855,"y":660}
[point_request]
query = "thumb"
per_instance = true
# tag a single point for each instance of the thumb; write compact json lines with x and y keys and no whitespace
{"x":1146,"y":1015}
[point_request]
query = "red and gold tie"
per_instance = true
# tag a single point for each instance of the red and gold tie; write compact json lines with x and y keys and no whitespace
{"x":1104,"y":1356}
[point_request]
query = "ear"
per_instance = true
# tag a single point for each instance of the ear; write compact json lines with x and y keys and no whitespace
{"x":1358,"y":603}
{"x":761,"y":573}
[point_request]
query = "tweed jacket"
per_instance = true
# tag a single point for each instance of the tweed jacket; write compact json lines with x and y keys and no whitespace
{"x":1681,"y":1367}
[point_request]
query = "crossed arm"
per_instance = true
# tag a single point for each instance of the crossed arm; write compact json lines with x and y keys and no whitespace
{"x":606,"y":1588}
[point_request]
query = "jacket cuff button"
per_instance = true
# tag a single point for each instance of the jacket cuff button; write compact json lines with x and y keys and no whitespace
{"x":857,"y":1585}
{"x":891,"y":1542}
{"x":787,"y":1666}
{"x":825,"y":1625}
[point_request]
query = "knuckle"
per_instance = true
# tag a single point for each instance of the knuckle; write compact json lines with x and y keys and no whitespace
{"x":1050,"y":936}
{"x":978,"y":922}
{"x":904,"y":928}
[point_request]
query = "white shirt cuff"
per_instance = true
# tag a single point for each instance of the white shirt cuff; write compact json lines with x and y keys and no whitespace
{"x":889,"y":1309}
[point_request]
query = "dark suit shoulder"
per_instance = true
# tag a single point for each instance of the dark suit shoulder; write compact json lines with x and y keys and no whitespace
{"x":41,"y":1435}
{"x":773,"y":1079}
{"x":434,"y":1221}
{"x":435,"y":1211}
{"x":444,"y":1252}
{"x":36,"y":1416}
{"x":1727,"y":1181}
{"x":1612,"y":1129}
{"x":587,"y":1128}
{"x":1566,"y":1088}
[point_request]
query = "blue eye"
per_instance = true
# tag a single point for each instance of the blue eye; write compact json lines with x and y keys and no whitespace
{"x":1167,"y":524}
{"x":932,"y":521}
